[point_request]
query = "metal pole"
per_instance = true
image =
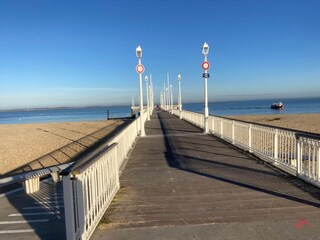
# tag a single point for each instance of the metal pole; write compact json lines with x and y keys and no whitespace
{"x":148,"y":109}
{"x":167,"y":99}
{"x":206,"y":109}
{"x":151,"y":94}
{"x":150,"y":101}
{"x":142,"y":133}
{"x":164,"y":97}
{"x":171,"y":98}
{"x":180,"y":104}
{"x":168,"y":91}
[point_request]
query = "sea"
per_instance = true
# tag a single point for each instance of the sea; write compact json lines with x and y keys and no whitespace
{"x":227,"y":108}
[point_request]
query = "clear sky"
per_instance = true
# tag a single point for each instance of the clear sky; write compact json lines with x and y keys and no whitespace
{"x":80,"y":53}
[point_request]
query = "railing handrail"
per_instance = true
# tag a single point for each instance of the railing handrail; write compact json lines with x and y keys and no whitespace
{"x":299,"y":132}
{"x":18,"y":178}
{"x":308,"y":135}
{"x":86,"y":161}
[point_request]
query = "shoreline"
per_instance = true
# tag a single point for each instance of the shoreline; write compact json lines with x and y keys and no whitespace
{"x":301,"y":122}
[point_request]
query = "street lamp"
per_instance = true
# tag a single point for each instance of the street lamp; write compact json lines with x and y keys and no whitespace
{"x":140,"y":70}
{"x":147,"y":88}
{"x":180,"y":104}
{"x":205,"y":66}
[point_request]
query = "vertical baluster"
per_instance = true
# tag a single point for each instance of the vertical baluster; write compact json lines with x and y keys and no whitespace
{"x":265,"y":141}
{"x":298,"y":144}
{"x":318,"y":162}
{"x":313,"y":161}
{"x":221,"y":128}
{"x":250,"y":130}
{"x":213,"y":118}
{"x":309,"y":160}
{"x":286,"y":149}
{"x":232,"y":133}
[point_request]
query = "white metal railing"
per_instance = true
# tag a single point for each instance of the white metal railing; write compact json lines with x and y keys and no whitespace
{"x":126,"y":138}
{"x":308,"y":162}
{"x":90,"y":186}
{"x":287,"y":149}
{"x":88,"y":191}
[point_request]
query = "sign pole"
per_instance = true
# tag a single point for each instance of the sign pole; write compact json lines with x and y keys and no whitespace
{"x":142,"y":133}
{"x":206,"y":109}
{"x":205,"y":66}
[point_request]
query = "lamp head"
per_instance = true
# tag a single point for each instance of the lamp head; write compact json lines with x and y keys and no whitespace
{"x":146,"y":78}
{"x":179,"y":77}
{"x":205,"y":49}
{"x":139,"y":52}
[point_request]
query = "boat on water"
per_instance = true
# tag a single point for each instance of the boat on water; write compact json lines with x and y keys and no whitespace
{"x":278,"y":105}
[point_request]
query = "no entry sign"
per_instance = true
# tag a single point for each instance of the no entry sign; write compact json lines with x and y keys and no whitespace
{"x":140,"y":68}
{"x":205,"y":65}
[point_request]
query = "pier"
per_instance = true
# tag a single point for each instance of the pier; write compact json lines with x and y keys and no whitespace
{"x":237,"y":182}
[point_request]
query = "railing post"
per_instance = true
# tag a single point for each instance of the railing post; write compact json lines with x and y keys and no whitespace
{"x":250,"y":137}
{"x":69,"y":208}
{"x":117,"y":167}
{"x":233,"y":132}
{"x":221,"y":128}
{"x":298,"y":150}
{"x":55,"y":176}
{"x":318,"y":164}
{"x":276,"y":143}
{"x":213,"y":125}
{"x":81,"y":208}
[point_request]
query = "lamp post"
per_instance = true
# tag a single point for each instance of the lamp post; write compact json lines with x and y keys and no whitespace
{"x":205,"y":66}
{"x":167,"y":99}
{"x":171,"y":99}
{"x":147,"y":88}
{"x":140,"y":70}
{"x":151,"y":95}
{"x":180,"y":104}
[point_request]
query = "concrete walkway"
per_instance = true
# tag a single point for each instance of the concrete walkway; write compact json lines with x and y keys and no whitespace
{"x":35,"y":216}
{"x":181,"y":184}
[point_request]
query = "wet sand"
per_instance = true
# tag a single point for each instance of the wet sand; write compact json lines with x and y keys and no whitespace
{"x":45,"y":144}
{"x":302,"y":122}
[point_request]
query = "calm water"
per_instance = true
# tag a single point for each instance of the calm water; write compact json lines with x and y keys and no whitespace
{"x":252,"y":107}
{"x":63,"y":115}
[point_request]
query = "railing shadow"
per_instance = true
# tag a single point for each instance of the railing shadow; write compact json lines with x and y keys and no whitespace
{"x":237,"y":174}
{"x":43,"y":212}
{"x":73,"y":150}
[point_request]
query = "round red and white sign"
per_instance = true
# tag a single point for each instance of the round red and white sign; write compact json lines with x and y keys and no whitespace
{"x":140,"y":68}
{"x":205,"y":65}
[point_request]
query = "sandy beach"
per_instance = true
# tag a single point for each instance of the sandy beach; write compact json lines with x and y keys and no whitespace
{"x":47,"y":144}
{"x":301,"y":122}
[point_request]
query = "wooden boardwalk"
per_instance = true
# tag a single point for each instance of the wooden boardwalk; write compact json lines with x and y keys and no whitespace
{"x":180,"y":180}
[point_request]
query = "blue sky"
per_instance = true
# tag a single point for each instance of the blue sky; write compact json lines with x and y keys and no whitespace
{"x":82,"y":53}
